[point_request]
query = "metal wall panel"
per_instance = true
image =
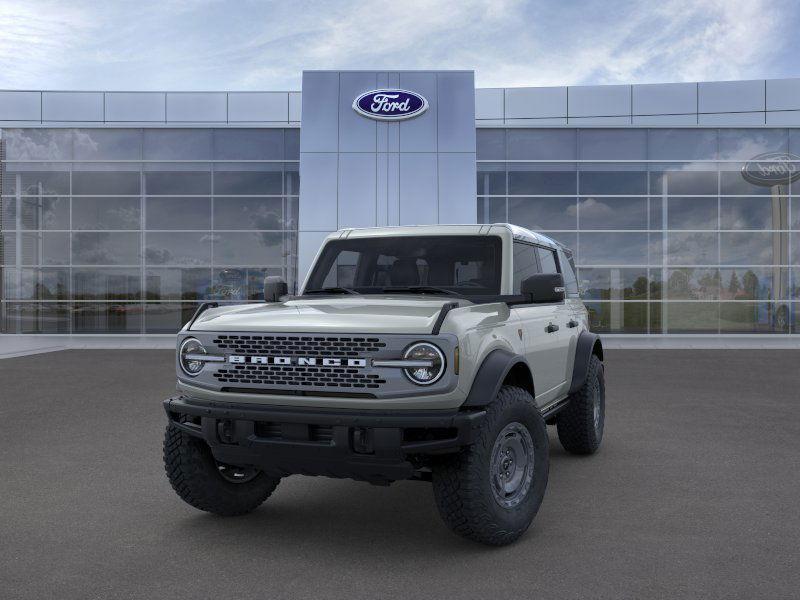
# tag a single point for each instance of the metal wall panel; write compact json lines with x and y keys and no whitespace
{"x":258,"y":106}
{"x":537,"y":122}
{"x":136,"y":107}
{"x":72,"y":106}
{"x":664,"y":99}
{"x":419,"y":188}
{"x":730,"y":96}
{"x":20,"y":106}
{"x":357,"y":189}
{"x":536,"y":103}
{"x":599,"y":121}
{"x":419,"y":134}
{"x":599,"y":101}
{"x":356,"y":134}
{"x":665,"y":120}
{"x":320,"y":130}
{"x":456,"y":192}
{"x":783,"y":94}
{"x":732,"y":119}
{"x":295,"y":102}
{"x":197,"y":107}
{"x":784,"y":118}
{"x":393,"y":188}
{"x":318,"y":191}
{"x":455,"y":95}
{"x":489,"y":103}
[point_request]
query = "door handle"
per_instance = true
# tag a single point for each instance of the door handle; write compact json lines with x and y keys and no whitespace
{"x":551,"y":328}
{"x":572,"y":323}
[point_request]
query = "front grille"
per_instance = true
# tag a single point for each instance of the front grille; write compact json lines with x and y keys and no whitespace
{"x":295,"y":345}
{"x":292,"y":376}
{"x":298,"y":377}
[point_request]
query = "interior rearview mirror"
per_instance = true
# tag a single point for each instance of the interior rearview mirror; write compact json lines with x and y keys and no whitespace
{"x":544,"y":287}
{"x":274,"y":288}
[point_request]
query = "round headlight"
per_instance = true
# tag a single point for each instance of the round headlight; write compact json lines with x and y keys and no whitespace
{"x":424,"y":351}
{"x":189,"y":347}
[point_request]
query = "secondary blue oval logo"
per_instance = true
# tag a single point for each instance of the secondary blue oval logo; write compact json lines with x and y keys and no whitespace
{"x":772,"y":168}
{"x":390,"y":105}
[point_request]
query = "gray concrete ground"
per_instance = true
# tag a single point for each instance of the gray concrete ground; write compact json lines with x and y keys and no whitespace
{"x":694,"y":494}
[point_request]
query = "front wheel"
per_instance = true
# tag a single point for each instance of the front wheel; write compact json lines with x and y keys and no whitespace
{"x":491,"y":491}
{"x":209,"y":485}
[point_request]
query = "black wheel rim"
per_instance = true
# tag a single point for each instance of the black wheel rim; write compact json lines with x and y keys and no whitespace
{"x":235,"y":474}
{"x":512,"y":465}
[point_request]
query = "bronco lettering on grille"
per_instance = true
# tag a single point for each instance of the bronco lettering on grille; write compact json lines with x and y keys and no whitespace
{"x":300,"y":361}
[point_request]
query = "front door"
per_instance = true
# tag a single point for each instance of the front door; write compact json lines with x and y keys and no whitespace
{"x":544,"y":326}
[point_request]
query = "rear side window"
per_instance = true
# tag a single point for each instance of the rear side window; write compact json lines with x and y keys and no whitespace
{"x":547,"y":260}
{"x":525,"y":264}
{"x":568,"y":269}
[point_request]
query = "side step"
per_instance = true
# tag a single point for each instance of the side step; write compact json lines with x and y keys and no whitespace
{"x":549,"y":413}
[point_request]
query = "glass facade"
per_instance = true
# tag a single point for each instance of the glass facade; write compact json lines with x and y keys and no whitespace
{"x":669,"y":236}
{"x":126,"y":230}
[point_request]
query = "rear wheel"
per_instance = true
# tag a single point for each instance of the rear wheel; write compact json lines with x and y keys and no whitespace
{"x":580,"y":425}
{"x":209,"y":485}
{"x":491,"y":491}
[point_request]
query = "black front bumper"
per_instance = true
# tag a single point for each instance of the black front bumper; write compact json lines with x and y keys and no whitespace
{"x":376,"y":446}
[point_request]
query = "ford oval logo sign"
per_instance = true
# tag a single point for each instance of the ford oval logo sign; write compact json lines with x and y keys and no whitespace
{"x":772,"y":168}
{"x":390,"y":105}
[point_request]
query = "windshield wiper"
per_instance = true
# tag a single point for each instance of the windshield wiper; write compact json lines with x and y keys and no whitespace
{"x":331,"y":290}
{"x":420,"y":289}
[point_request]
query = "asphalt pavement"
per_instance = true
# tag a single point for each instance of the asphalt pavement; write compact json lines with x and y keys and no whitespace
{"x":694,"y":494}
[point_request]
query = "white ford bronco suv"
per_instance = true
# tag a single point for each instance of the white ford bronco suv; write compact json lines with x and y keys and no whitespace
{"x":434,"y":353}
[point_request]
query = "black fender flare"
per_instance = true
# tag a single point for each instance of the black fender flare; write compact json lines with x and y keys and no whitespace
{"x":490,"y":376}
{"x":588,"y":343}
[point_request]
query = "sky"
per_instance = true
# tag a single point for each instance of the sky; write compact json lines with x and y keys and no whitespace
{"x":265,"y":45}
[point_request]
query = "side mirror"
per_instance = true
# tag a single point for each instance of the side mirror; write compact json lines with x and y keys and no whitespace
{"x":544,"y":288}
{"x":274,"y":288}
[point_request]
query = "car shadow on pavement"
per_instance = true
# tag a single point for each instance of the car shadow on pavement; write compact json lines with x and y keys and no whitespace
{"x":342,"y":516}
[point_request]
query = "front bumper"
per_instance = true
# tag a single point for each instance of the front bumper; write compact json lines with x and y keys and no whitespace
{"x":376,"y":446}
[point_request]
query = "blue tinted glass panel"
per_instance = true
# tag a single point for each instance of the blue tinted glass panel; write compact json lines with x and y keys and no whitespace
{"x":692,"y":213}
{"x":541,"y":144}
{"x":490,"y":144}
{"x":612,"y":213}
{"x":613,"y":182}
{"x":543,"y":213}
{"x":174,"y":248}
{"x":524,"y":182}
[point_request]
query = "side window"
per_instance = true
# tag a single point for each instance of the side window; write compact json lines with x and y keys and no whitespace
{"x":525,"y":264}
{"x":547,"y":258}
{"x":570,"y":280}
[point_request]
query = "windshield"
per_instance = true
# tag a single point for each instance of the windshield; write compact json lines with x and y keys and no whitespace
{"x":467,"y":265}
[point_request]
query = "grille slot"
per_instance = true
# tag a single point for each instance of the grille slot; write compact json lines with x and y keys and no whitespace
{"x":299,"y":345}
{"x":322,"y":434}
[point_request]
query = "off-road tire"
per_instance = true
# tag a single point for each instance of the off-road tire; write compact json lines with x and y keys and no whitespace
{"x":577,"y":430}
{"x":462,"y":482}
{"x":194,"y":475}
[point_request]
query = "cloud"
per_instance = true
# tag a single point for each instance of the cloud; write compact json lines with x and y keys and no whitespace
{"x":208,"y":44}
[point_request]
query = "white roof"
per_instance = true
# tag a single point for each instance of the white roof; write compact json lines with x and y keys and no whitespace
{"x":517,"y":232}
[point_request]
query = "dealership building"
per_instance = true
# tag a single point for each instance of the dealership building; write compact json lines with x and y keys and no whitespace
{"x":121,"y":211}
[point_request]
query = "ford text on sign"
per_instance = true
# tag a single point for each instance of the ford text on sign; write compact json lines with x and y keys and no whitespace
{"x":390,"y":105}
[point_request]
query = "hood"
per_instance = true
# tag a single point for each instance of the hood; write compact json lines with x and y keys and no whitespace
{"x":347,"y":314}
